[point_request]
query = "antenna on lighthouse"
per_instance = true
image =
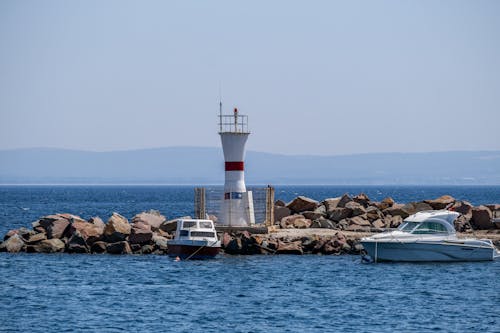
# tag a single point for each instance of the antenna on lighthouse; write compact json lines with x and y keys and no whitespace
{"x":220,"y":107}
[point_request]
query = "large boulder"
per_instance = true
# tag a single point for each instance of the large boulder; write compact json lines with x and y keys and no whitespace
{"x":117,"y":229}
{"x":25,"y":233}
{"x":152,"y":218}
{"x":386,"y":203}
{"x":54,"y":225}
{"x":463,"y":207}
{"x":322,"y":223}
{"x":331,"y":203}
{"x":302,"y":204}
{"x":373,"y":213}
{"x":356,"y":208}
{"x":360,"y":221}
{"x":481,"y":218}
{"x":397,"y":210}
{"x":160,"y":242}
{"x":281,"y":212}
{"x":339,"y":214}
{"x":379,"y":224}
{"x":10,"y":233}
{"x":233,"y":245}
{"x":141,"y":233}
{"x":99,"y":247}
{"x":13,"y":244}
{"x":362,"y":199}
{"x":393,"y":221}
{"x":77,"y":244}
{"x":53,"y":245}
{"x":36,"y":238}
{"x":280,"y":203}
{"x":344,"y":200}
{"x":295,"y":221}
{"x":171,"y":225}
{"x":414,"y":207}
{"x":91,"y":232}
{"x":289,"y":247}
{"x":122,"y":247}
{"x":441,"y":202}
{"x":313,"y":215}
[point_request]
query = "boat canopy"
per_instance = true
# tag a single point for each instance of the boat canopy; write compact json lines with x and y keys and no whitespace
{"x":430,"y":222}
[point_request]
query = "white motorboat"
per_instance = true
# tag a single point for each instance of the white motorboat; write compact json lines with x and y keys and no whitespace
{"x":194,"y":239}
{"x":428,"y":236}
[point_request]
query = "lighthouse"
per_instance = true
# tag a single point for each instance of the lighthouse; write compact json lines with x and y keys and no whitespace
{"x":237,"y":203}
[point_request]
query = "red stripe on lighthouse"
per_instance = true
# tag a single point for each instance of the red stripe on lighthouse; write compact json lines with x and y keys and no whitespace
{"x":235,"y":166}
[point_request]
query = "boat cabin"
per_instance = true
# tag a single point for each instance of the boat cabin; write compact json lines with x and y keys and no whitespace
{"x":430,"y":222}
{"x":195,"y":230}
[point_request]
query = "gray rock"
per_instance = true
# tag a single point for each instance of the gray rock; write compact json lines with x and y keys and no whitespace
{"x":152,"y":218}
{"x":331,"y":203}
{"x":312,"y":215}
{"x":441,"y":202}
{"x":280,"y":203}
{"x":160,"y":242}
{"x":36,"y":238}
{"x":53,"y":245}
{"x":338,"y":214}
{"x":98,"y":247}
{"x":481,"y":218}
{"x":54,"y":225}
{"x":362,"y":199}
{"x":77,"y":244}
{"x":344,"y":200}
{"x":13,"y":244}
{"x":301,"y":204}
{"x":397,"y":210}
{"x":386,"y":203}
{"x":373,"y":213}
{"x":323,"y":223}
{"x":117,"y":229}
{"x":122,"y":247}
{"x":356,"y":208}
{"x":141,"y":233}
{"x":281,"y":212}
{"x":360,"y":221}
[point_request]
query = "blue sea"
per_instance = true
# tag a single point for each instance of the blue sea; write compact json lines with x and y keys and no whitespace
{"x":105,"y":293}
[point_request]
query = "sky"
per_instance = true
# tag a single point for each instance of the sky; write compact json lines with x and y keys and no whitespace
{"x":314,"y":77}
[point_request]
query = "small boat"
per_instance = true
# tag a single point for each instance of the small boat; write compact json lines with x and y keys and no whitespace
{"x":194,"y":239}
{"x":428,"y":236}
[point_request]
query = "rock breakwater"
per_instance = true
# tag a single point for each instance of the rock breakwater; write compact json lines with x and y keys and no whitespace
{"x":302,"y":226}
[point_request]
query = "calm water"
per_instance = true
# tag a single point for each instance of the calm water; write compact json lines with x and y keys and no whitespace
{"x":102,"y":293}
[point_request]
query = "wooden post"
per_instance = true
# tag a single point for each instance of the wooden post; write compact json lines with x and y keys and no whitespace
{"x":199,"y":203}
{"x":269,"y":206}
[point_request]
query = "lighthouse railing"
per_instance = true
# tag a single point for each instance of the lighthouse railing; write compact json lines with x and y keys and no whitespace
{"x":233,"y":123}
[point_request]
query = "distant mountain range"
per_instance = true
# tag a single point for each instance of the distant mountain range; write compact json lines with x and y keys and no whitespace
{"x":202,"y":165}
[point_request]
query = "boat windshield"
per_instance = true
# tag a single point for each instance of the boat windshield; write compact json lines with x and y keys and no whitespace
{"x":430,"y":228}
{"x":408,"y":226}
{"x":206,"y":224}
{"x":188,"y":224}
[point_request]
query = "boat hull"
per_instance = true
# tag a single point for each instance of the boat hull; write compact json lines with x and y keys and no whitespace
{"x":192,"y":251}
{"x":427,"y":251}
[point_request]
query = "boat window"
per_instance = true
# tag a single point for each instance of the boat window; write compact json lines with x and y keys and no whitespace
{"x":202,"y":234}
{"x":184,"y":233}
{"x":408,"y":226}
{"x":188,"y":224}
{"x":206,"y":224}
{"x":430,"y":228}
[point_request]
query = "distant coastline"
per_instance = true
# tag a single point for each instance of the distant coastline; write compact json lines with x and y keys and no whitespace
{"x":204,"y":166}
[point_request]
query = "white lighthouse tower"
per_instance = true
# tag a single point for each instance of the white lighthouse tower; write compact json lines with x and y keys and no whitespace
{"x":237,"y":203}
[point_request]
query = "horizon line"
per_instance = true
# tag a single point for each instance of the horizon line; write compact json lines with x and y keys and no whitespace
{"x":253,"y":151}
